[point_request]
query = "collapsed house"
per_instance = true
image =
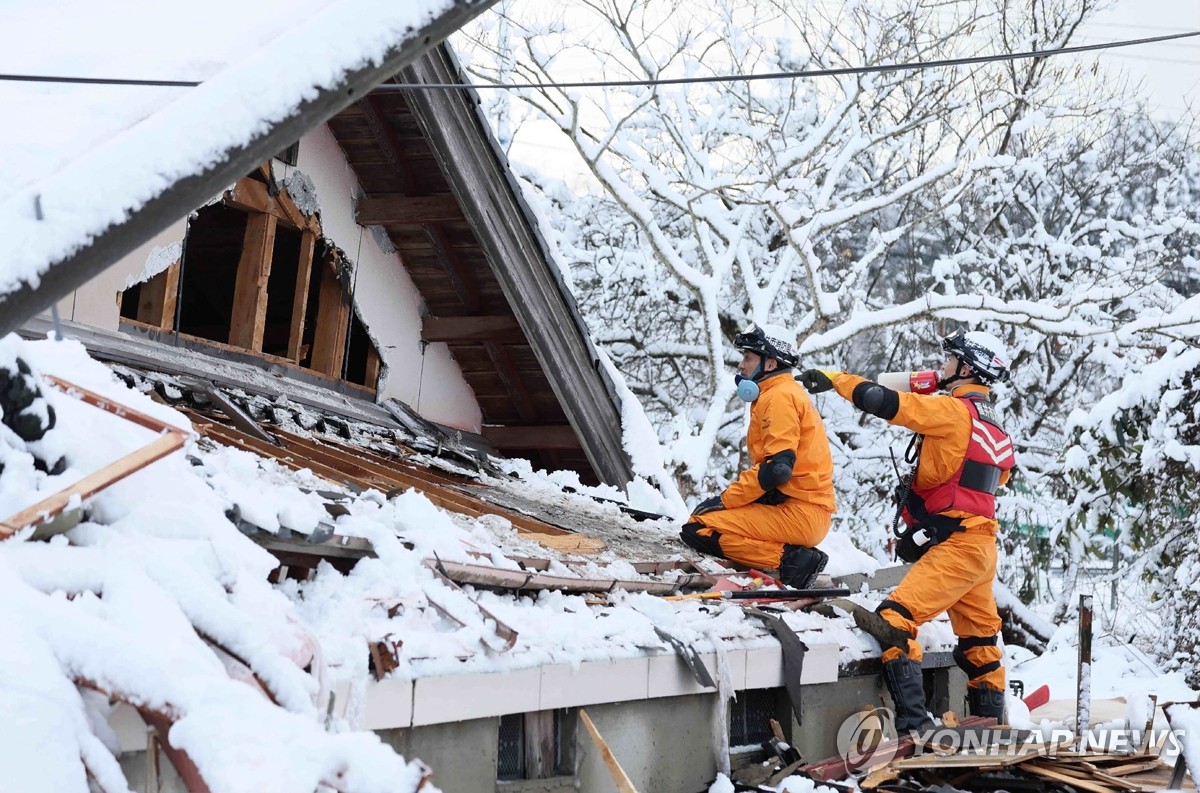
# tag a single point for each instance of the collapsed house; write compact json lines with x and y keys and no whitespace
{"x":367,"y":353}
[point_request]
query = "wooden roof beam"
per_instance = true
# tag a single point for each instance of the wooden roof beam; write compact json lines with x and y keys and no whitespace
{"x":402,"y":210}
{"x":473,"y":330}
{"x":385,"y":136}
{"x":511,"y":378}
{"x":546,"y":436}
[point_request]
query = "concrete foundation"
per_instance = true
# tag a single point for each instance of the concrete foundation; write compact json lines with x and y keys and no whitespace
{"x":662,"y":744}
{"x":462,"y":754}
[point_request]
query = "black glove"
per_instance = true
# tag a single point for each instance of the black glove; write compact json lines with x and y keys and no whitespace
{"x":708,"y":505}
{"x":816,"y":381}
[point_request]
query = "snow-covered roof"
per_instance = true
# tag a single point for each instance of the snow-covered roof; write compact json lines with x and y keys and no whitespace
{"x":160,"y":597}
{"x":87,"y":172}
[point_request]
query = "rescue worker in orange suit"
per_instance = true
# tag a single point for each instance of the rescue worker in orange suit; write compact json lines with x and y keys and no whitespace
{"x":950,"y":517}
{"x":777,"y":511}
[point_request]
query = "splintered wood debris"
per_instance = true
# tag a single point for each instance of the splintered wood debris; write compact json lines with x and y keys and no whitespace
{"x":975,"y":757}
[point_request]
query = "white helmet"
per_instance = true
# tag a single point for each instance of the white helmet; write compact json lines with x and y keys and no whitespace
{"x":983,"y":352}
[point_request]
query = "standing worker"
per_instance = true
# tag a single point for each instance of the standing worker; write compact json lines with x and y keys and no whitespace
{"x":777,"y":511}
{"x":950,"y":514}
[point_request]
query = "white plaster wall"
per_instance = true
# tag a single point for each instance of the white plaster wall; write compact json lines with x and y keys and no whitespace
{"x":95,"y":303}
{"x":387,"y":300}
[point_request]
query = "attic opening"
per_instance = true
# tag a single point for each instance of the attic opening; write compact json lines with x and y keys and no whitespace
{"x":258,"y":276}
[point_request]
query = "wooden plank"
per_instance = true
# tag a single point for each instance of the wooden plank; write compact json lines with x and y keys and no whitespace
{"x":620,"y":778}
{"x":333,"y":323}
{"x":1075,"y":782}
{"x":109,"y":406}
{"x":157,"y":299}
{"x":308,"y":243}
{"x":371,"y":377}
{"x":405,"y":210}
{"x":250,"y":289}
{"x":251,"y":195}
{"x":502,"y":328}
{"x":556,"y":436}
{"x":237,"y":439}
{"x":539,"y":744}
{"x":92,"y":484}
{"x":439,"y":494}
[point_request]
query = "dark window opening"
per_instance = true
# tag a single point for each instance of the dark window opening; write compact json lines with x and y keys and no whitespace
{"x":751,"y":713}
{"x":360,"y":353}
{"x":129,"y":301}
{"x":294,"y":303}
{"x":281,"y":291}
{"x":322,"y":270}
{"x":214,"y":248}
{"x":536,"y":745}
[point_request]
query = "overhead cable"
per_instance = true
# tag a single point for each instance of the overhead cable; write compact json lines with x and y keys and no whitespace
{"x":729,"y":78}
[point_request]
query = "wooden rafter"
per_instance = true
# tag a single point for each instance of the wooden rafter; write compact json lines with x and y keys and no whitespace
{"x":402,"y":210}
{"x":503,"y":328}
{"x":511,"y":377}
{"x":365,"y":470}
{"x":249,"y":319}
{"x":558,"y":436}
{"x":465,"y":285}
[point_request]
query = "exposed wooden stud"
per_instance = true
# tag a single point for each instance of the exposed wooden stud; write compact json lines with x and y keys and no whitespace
{"x":536,"y":437}
{"x":157,"y":297}
{"x":371,"y":378}
{"x":408,"y":210}
{"x":308,"y":242}
{"x":502,"y":329}
{"x":333,"y":323}
{"x":250,"y":290}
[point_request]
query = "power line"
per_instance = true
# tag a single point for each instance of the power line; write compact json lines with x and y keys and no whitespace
{"x":42,"y":78}
{"x":839,"y":72}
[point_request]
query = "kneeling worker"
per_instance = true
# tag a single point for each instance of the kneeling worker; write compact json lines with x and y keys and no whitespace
{"x":777,"y":511}
{"x":962,"y":457}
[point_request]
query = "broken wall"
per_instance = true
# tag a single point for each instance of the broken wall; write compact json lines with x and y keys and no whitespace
{"x":424,"y":376}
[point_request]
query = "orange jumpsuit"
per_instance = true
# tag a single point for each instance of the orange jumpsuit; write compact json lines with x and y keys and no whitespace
{"x":955,"y":575}
{"x":781,"y":419}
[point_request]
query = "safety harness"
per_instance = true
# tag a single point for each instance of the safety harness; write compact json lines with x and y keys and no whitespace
{"x":971,"y":489}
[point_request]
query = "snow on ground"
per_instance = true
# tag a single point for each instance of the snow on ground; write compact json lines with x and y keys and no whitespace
{"x":157,"y":597}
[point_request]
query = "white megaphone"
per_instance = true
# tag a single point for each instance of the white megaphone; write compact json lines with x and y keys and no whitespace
{"x":924,"y":382}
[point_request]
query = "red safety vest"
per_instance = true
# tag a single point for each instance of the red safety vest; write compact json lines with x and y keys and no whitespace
{"x":973,"y":487}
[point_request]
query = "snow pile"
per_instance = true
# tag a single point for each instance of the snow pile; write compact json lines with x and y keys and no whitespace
{"x":159,"y":599}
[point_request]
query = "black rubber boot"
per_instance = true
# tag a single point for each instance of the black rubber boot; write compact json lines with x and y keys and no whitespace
{"x":986,"y":701}
{"x":799,"y":565}
{"x":904,"y":683}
